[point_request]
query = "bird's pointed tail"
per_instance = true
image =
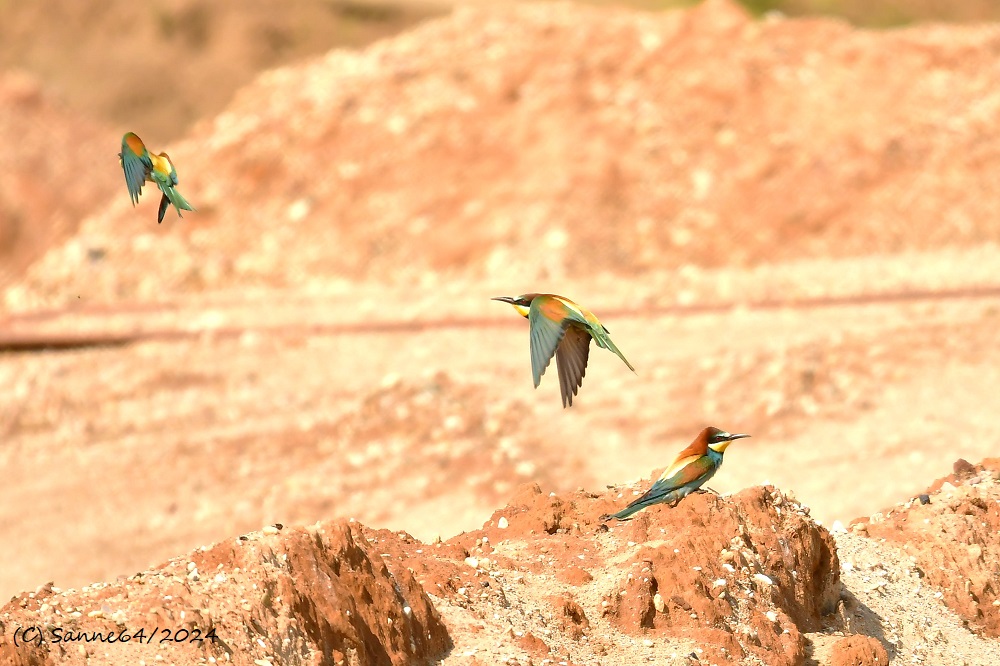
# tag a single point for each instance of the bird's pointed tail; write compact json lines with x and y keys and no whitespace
{"x":178,"y":201}
{"x":652,"y":496}
{"x":608,"y":344}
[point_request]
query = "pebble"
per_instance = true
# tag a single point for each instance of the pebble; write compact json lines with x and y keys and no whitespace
{"x":270,"y":529}
{"x":772,"y":616}
{"x":502,"y":523}
{"x":838,"y":527}
{"x":647,"y":642}
{"x":761,"y":578}
{"x":472,"y":562}
{"x":658,"y":603}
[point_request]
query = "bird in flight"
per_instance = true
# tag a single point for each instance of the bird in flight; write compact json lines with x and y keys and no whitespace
{"x":140,"y":166}
{"x":561,"y":328}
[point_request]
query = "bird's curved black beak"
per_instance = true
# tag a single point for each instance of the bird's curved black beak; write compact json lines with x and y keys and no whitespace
{"x":737,"y":436}
{"x":504,"y":299}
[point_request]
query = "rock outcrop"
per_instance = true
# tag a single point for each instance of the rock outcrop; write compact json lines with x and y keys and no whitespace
{"x":747,"y":578}
{"x":953,"y":533}
{"x":323,"y":595}
{"x":740,"y":576}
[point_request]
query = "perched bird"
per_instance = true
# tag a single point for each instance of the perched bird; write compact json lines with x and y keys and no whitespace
{"x":558,"y":326}
{"x":141,"y":165}
{"x":693,"y":467}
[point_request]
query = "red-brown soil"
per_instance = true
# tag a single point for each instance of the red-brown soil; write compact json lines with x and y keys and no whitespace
{"x":954,"y":541}
{"x":748,"y":579}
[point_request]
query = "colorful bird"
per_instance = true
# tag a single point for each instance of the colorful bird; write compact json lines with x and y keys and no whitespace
{"x":693,"y":467}
{"x":558,"y":326}
{"x":141,"y":165}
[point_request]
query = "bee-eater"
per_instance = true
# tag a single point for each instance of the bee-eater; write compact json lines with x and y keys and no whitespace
{"x":141,"y":165}
{"x":558,"y":326}
{"x":693,"y":467}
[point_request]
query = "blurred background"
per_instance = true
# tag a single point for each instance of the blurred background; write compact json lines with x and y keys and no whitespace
{"x":786,"y":213}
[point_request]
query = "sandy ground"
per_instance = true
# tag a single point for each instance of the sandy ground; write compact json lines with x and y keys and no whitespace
{"x":169,"y":443}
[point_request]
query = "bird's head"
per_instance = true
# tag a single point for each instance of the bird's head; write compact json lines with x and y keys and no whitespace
{"x":718,"y":440}
{"x":520,"y":303}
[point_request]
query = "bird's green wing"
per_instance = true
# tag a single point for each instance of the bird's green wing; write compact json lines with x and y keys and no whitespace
{"x":571,"y":360}
{"x":135,"y":163}
{"x":688,"y":470}
{"x":546,"y":334}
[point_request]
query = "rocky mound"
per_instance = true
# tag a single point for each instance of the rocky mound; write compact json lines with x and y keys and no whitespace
{"x":744,"y":579}
{"x":323,"y":595}
{"x":953,"y":534}
{"x":548,"y":141}
{"x":725,"y":579}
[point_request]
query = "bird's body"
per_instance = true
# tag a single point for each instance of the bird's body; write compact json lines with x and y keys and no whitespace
{"x":561,"y":328}
{"x":141,"y":166}
{"x":691,"y":469}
